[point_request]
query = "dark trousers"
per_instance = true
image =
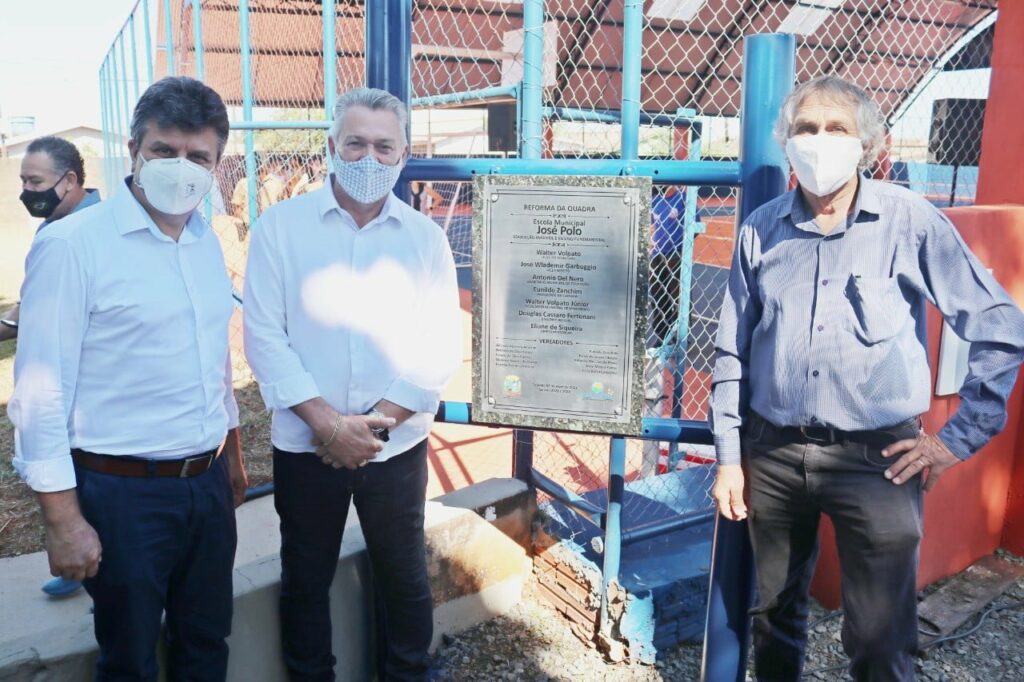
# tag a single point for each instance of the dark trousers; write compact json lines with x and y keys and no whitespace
{"x":878,"y":532}
{"x":312,"y":500}
{"x":168,"y":546}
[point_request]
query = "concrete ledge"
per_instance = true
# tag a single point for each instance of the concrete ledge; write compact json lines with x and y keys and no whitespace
{"x":476,"y":574}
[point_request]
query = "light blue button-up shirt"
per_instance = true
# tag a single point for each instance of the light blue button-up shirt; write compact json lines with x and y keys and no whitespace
{"x":122,"y":344}
{"x":830,"y":330}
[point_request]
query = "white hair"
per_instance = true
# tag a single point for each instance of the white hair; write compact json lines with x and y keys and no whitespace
{"x":870,"y":126}
{"x":373,"y":99}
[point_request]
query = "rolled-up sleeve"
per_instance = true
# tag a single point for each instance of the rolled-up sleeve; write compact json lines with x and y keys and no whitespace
{"x":980,"y":312}
{"x":729,"y":384}
{"x":53,"y":319}
{"x":283,"y":380}
{"x":439,"y":347}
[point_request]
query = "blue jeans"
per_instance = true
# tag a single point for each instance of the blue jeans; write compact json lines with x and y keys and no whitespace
{"x":312,"y":500}
{"x":168,"y":546}
{"x":878,"y":532}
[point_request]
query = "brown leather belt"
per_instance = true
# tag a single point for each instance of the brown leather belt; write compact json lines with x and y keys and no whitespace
{"x":137,"y":467}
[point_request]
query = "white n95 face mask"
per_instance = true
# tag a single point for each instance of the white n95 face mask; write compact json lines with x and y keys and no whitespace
{"x":366,"y":180}
{"x":823,"y":163}
{"x":173,"y":186}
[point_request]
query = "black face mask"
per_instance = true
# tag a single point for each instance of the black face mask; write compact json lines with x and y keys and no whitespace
{"x":42,"y":204}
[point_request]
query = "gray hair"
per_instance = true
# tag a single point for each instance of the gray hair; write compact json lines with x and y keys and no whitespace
{"x":870,"y":126}
{"x":374,"y":100}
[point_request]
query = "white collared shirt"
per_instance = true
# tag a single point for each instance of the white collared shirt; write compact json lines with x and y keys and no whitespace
{"x":350,"y":315}
{"x":122,"y":344}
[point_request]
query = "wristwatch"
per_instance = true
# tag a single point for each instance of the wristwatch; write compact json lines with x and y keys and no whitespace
{"x":380,"y":432}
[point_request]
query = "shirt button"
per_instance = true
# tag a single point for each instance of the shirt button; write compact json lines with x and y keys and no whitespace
{"x":821,"y":327}
{"x":814,"y":420}
{"x":814,"y":373}
{"x":824,"y":282}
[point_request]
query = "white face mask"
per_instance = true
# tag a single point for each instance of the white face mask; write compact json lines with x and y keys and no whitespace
{"x":366,"y":180}
{"x":823,"y":163}
{"x":173,"y":186}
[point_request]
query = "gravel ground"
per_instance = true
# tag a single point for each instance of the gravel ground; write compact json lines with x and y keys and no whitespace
{"x":533,"y":642}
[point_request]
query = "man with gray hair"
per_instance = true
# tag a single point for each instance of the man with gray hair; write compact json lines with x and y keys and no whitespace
{"x":352,"y":330}
{"x":822,"y":374}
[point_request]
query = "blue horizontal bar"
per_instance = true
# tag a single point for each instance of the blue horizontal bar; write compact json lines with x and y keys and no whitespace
{"x":654,"y":428}
{"x":668,"y":525}
{"x":662,"y":172}
{"x":497,"y":92}
{"x":280,"y":125}
{"x":614,"y":117}
{"x":568,"y":497}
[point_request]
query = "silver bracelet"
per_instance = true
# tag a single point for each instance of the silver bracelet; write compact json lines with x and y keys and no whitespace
{"x":337,"y":423}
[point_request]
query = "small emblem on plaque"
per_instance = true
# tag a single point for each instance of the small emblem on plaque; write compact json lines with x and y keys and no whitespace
{"x":512,"y":387}
{"x":599,"y":392}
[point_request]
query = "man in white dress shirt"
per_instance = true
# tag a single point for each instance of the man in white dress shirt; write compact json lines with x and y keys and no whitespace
{"x":126,"y":424}
{"x":352,"y":330}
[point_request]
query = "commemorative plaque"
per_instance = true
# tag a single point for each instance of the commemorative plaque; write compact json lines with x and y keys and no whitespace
{"x":559,"y":299}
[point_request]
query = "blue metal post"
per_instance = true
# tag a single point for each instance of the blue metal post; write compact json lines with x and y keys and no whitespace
{"x":149,"y":41}
{"x":119,"y":110}
{"x":531,"y":132}
{"x":197,"y":38}
{"x":768,"y":73}
{"x":108,"y":176}
{"x":632,"y":51}
{"x":389,"y":54}
{"x":250,"y":144}
{"x":376,"y":44}
{"x":135,"y":54}
{"x":124,"y":72}
{"x":330,"y":18}
{"x":169,"y":37}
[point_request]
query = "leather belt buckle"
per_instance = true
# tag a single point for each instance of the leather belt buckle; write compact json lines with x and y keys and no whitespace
{"x":187,"y":463}
{"x":828,"y":434}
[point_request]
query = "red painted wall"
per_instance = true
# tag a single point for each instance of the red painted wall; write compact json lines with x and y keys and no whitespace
{"x":1001,"y":175}
{"x":967,"y":514}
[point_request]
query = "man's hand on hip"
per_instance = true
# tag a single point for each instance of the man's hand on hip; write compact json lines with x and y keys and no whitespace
{"x":72,"y":545}
{"x":728,"y":492}
{"x":926,"y":453}
{"x":353,"y":443}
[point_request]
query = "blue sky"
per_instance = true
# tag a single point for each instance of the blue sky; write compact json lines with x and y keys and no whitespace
{"x":50,"y":55}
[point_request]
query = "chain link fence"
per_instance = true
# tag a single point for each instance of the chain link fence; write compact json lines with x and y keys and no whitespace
{"x":925,"y":62}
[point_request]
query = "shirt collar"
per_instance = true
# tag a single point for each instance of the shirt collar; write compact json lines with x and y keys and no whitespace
{"x":327,"y":202}
{"x":92,"y":197}
{"x":130,"y":216}
{"x":867,"y":201}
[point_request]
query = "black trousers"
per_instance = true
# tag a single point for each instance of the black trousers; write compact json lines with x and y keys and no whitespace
{"x":878,"y":533}
{"x":312,"y":501}
{"x":168,"y":546}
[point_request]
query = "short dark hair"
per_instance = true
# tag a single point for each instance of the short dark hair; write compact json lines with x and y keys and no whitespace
{"x":183,"y":103}
{"x":65,"y":156}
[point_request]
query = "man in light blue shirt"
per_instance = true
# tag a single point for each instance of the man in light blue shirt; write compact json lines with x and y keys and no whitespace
{"x":822,"y":373}
{"x":125,"y":420}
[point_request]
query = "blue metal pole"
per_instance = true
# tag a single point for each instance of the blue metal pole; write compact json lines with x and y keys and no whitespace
{"x":250,"y":143}
{"x":613,"y":523}
{"x":197,"y":38}
{"x":149,"y":42}
{"x":768,"y":74}
{"x":667,"y":173}
{"x":632,"y":51}
{"x":105,"y":122}
{"x":376,"y":44}
{"x":399,"y":67}
{"x":135,"y":54}
{"x":531,"y":133}
{"x":124,"y":69}
{"x":329,"y":12}
{"x":468,"y":96}
{"x":119,"y":112}
{"x":169,"y":37}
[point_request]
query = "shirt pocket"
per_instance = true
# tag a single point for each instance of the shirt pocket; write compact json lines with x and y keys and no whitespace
{"x":878,"y":309}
